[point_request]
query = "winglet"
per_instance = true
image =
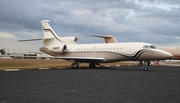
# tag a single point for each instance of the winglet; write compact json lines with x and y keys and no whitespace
{"x":107,"y":39}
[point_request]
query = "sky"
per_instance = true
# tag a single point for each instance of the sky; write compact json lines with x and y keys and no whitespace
{"x":152,"y":21}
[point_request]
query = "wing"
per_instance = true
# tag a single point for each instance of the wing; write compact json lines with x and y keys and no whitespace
{"x":81,"y":59}
{"x":107,"y":39}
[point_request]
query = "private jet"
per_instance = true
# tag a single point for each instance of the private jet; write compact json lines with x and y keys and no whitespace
{"x":67,"y":48}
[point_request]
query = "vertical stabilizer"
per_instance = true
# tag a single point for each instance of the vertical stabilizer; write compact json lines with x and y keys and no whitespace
{"x":50,"y":37}
{"x":47,"y":30}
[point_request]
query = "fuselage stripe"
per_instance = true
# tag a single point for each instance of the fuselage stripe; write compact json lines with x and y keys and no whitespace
{"x":53,"y":34}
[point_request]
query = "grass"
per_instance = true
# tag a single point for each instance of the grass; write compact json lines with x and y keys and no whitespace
{"x":30,"y":63}
{"x":35,"y":63}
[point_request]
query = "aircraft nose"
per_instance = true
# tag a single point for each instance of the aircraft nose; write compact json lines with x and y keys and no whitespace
{"x":167,"y":55}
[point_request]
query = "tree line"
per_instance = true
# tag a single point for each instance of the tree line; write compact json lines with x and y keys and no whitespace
{"x":2,"y":51}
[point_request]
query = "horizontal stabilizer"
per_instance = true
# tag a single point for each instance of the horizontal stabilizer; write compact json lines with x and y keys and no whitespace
{"x":107,"y":39}
{"x":34,"y":39}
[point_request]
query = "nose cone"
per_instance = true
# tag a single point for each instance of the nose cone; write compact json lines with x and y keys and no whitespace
{"x":166,"y":55}
{"x":161,"y":54}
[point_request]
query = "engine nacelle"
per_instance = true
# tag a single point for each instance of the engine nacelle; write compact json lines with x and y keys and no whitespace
{"x":59,"y":49}
{"x":70,"y":40}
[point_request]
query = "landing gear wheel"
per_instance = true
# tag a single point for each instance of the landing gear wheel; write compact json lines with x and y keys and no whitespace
{"x":145,"y":68}
{"x":92,"y":65}
{"x":75,"y":65}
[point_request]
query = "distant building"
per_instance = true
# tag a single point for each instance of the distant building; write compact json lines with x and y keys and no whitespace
{"x":28,"y":55}
{"x":36,"y":55}
{"x":43,"y":56}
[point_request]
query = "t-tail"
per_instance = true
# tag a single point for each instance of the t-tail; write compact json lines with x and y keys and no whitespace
{"x":51,"y":40}
{"x":50,"y":37}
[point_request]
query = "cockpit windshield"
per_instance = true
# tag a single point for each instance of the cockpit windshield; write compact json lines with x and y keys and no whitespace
{"x":152,"y":47}
{"x":149,"y":47}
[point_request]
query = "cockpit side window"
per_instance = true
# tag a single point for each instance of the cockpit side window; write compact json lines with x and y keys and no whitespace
{"x":146,"y":47}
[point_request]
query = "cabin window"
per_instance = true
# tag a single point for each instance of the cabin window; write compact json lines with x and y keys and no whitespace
{"x":114,"y":49}
{"x":117,"y":49}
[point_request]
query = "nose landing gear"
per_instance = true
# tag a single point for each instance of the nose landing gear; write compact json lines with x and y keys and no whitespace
{"x":145,"y":63}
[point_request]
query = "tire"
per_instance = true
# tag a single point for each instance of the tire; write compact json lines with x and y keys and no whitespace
{"x":92,"y":65}
{"x":74,"y":66}
{"x":145,"y":69}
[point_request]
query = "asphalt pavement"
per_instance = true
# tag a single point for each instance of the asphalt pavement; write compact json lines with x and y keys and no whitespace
{"x":124,"y":84}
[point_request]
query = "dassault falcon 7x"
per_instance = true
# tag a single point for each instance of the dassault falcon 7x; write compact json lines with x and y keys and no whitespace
{"x":67,"y":48}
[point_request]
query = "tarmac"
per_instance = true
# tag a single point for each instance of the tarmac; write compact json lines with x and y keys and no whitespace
{"x":123,"y":84}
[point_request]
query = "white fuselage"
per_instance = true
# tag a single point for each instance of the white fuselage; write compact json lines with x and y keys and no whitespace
{"x":110,"y":52}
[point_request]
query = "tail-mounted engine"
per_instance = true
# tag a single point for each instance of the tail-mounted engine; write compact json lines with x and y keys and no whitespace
{"x":64,"y":48}
{"x":59,"y":49}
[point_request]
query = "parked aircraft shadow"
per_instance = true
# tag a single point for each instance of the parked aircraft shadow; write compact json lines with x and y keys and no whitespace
{"x":124,"y":68}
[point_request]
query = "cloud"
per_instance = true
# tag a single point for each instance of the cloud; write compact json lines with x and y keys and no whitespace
{"x":177,"y":37}
{"x":7,"y":35}
{"x":160,"y":5}
{"x":153,"y":21}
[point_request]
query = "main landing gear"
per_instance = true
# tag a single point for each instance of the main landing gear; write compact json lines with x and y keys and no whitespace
{"x":91,"y":65}
{"x":75,"y":65}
